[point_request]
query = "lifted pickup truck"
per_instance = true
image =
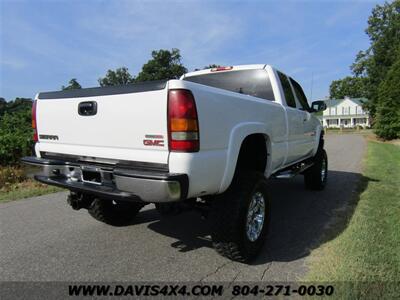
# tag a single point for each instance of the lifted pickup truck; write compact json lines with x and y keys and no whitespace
{"x":209,"y":141}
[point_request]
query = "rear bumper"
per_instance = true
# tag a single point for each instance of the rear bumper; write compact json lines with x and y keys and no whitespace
{"x":113,"y":182}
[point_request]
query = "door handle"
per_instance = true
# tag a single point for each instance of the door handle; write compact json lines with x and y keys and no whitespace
{"x":87,"y":108}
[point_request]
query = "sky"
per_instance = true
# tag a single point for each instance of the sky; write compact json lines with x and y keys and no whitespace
{"x":43,"y":44}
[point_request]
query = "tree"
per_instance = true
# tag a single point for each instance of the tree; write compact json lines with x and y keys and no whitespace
{"x":374,"y":63}
{"x":19,"y":104}
{"x":211,"y":66}
{"x":3,"y":104}
{"x":164,"y":64}
{"x":120,"y":76}
{"x":73,"y":84}
{"x":354,"y":87}
{"x":372,"y":66}
{"x":387,"y":123}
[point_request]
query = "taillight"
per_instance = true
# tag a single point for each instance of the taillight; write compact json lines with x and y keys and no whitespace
{"x":34,"y":126}
{"x":221,"y":69}
{"x":183,"y":126}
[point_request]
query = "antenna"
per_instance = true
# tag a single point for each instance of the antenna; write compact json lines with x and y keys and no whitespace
{"x":312,"y":83}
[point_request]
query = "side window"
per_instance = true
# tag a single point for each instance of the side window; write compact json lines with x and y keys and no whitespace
{"x":300,"y":95}
{"x":287,"y":90}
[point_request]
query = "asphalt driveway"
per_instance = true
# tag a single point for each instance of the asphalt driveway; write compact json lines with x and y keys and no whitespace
{"x":43,"y":239}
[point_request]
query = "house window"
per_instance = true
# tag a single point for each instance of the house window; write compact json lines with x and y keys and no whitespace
{"x":345,"y":110}
{"x":332,"y":122}
{"x":360,"y":121}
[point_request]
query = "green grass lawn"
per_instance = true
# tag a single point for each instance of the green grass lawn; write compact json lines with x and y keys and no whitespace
{"x":26,"y":189}
{"x":348,"y":130}
{"x":367,"y":252}
{"x":15,"y":183}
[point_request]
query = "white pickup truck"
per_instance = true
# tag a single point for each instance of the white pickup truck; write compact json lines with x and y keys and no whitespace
{"x":208,"y":140}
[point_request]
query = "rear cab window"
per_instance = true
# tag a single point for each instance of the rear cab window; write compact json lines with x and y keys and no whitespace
{"x":287,"y":90}
{"x":254,"y":83}
{"x":300,"y":95}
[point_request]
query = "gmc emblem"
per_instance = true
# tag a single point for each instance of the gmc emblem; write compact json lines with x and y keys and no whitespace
{"x":157,"y":143}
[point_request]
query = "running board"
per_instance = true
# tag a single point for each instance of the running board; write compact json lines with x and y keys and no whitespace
{"x":293,"y":171}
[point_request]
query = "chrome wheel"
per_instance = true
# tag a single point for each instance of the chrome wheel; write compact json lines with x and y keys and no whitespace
{"x":255,"y":216}
{"x":323,"y":170}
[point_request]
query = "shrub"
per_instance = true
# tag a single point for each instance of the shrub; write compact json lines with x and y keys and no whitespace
{"x":15,"y":136}
{"x":10,"y":176}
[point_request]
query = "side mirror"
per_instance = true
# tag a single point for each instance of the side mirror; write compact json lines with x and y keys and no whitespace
{"x":317,"y":106}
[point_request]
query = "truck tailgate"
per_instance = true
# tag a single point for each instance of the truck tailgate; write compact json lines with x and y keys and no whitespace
{"x":130,"y":122}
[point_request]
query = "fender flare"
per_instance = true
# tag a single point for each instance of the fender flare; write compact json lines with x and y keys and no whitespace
{"x":236,"y":138}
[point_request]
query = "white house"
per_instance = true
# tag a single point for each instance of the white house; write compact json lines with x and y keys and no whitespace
{"x":347,"y":112}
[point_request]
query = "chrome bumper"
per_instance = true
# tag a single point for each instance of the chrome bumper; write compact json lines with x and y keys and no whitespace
{"x":110,"y":181}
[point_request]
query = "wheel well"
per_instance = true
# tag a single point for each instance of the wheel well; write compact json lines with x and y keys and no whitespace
{"x":253,"y":154}
{"x":321,"y":139}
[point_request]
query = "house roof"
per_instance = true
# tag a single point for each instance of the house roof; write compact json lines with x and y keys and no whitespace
{"x":335,"y":102}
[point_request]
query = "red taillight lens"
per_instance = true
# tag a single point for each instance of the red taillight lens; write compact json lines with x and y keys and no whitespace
{"x":183,"y":128}
{"x":221,"y":69}
{"x":34,"y":124}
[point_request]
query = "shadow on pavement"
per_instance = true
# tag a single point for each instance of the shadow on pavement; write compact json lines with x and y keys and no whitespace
{"x":301,"y":221}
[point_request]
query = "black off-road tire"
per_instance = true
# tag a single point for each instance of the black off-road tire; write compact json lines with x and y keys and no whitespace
{"x":229,"y":217}
{"x":169,"y":209}
{"x":313,"y":177}
{"x":115,"y":213}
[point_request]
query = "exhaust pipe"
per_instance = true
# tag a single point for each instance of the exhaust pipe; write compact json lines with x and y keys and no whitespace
{"x":79,"y":200}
